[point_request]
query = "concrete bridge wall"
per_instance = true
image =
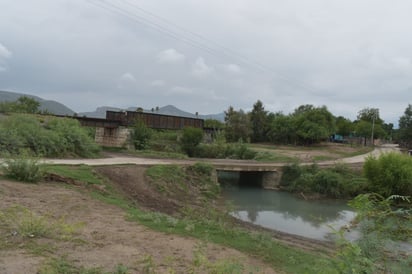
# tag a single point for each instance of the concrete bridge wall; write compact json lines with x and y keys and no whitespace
{"x":112,"y":137}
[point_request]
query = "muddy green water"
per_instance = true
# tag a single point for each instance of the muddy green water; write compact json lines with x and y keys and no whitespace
{"x":285,"y":212}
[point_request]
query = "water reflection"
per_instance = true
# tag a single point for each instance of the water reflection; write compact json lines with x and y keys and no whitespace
{"x":284,"y":212}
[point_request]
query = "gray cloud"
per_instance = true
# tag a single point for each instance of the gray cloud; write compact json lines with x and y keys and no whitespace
{"x":200,"y":69}
{"x":208,"y":55}
{"x":170,"y":56}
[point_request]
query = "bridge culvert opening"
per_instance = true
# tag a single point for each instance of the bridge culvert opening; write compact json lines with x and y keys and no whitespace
{"x":241,"y":178}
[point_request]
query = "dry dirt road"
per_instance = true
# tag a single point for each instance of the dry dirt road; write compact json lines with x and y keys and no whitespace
{"x":117,"y":160}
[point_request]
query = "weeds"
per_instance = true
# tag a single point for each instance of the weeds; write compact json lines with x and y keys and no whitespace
{"x":23,"y":169}
{"x":64,"y":266}
{"x":20,"y":221}
{"x":148,"y":265}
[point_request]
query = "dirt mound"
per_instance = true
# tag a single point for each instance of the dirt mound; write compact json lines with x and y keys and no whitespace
{"x":131,"y":181}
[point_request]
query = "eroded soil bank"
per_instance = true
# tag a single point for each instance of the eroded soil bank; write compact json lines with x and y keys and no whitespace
{"x":133,"y":183}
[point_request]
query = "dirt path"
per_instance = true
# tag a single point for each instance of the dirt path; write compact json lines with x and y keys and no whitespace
{"x":117,"y":160}
{"x":105,"y":238}
{"x":361,"y":158}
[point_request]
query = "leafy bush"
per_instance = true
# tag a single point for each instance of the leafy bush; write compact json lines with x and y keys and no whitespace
{"x":213,"y":151}
{"x":222,"y":151}
{"x":328,"y":182}
{"x":336,"y":182}
{"x":389,"y":174}
{"x":240,"y":151}
{"x":380,"y":222}
{"x":202,"y":168}
{"x":140,"y":135}
{"x":45,"y":136}
{"x":290,"y":174}
{"x":23,"y":169}
{"x":191,"y":138}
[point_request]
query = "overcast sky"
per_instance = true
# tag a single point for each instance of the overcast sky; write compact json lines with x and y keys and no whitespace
{"x":207,"y":55}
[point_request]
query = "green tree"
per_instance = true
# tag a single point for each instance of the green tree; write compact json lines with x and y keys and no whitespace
{"x":237,"y":125}
{"x":259,"y":122}
{"x":281,"y":130}
{"x":344,"y":126}
{"x":405,"y":127}
{"x":370,"y":115}
{"x":191,"y":138}
{"x":364,"y":129}
{"x":313,"y":124}
{"x":369,"y":124}
{"x":27,"y":105}
{"x":23,"y":105}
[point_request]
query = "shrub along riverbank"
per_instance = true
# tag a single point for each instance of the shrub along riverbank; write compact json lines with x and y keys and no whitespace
{"x":338,"y":181}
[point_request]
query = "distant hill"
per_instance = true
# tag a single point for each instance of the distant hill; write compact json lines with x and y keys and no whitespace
{"x":100,"y":112}
{"x":49,"y":105}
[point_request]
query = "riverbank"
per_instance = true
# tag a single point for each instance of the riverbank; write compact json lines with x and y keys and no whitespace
{"x":123,"y":227}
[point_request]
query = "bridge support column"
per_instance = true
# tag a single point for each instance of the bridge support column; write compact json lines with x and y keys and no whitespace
{"x":271,"y":179}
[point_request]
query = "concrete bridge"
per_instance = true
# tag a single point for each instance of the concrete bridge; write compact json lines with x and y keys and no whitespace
{"x":266,"y":174}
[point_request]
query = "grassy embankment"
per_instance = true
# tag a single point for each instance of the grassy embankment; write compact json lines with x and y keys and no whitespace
{"x":322,"y":152}
{"x":208,"y":224}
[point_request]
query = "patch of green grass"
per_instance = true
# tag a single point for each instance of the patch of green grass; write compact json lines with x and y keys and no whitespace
{"x":256,"y":244}
{"x":63,"y":266}
{"x":159,"y":154}
{"x":166,"y":173}
{"x":319,"y":158}
{"x":266,"y":156}
{"x":39,"y":249}
{"x":81,"y":173}
{"x":114,"y":149}
{"x":360,"y":151}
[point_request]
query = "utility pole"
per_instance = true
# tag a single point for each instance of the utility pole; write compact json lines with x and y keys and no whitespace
{"x":373,"y":126}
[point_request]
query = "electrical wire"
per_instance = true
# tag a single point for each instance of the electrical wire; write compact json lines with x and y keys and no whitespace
{"x":189,"y":37}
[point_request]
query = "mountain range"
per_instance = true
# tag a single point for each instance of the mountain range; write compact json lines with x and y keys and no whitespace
{"x":49,"y":105}
{"x":100,"y":112}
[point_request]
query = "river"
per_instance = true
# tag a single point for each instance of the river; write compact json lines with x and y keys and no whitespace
{"x":285,"y":212}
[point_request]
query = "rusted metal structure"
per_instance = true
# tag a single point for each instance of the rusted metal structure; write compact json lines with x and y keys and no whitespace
{"x":114,"y":130}
{"x":153,"y":120}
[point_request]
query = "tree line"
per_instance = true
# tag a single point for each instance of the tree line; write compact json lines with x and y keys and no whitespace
{"x":309,"y":124}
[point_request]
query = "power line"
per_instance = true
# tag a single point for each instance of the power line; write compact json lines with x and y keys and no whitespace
{"x":189,"y":37}
{"x":116,"y":9}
